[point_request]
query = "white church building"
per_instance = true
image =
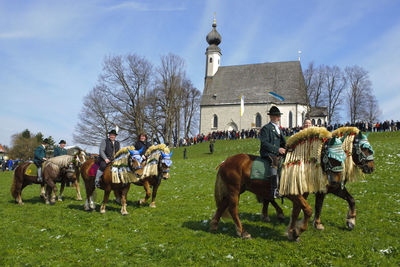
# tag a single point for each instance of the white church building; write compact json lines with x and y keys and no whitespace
{"x":224,"y":85}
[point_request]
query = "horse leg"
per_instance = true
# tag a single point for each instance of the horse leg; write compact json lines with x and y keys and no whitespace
{"x":296,"y":228}
{"x":53,"y":186}
{"x":78,"y":191}
{"x":234,"y":211}
{"x":61,"y":191}
{"x":351,"y":215}
{"x":265,"y":217}
{"x":279,"y":211}
{"x":118,"y":196}
{"x":18,"y":190}
{"x":124,"y":195}
{"x":319,"y":201}
{"x":146,"y":186}
{"x":107,"y":191}
{"x":47,"y":194}
{"x":42,"y":191}
{"x":153,"y":196}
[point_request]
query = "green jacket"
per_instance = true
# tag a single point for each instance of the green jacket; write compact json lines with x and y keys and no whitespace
{"x":271,"y":141}
{"x":58,"y":151}
{"x":39,"y":154}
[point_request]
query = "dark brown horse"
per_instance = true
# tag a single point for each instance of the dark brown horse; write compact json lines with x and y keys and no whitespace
{"x":61,"y":167}
{"x":134,"y":163}
{"x":163,"y":163}
{"x":233,"y":178}
{"x":360,"y":156}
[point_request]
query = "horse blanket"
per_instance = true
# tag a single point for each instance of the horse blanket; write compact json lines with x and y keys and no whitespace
{"x":32,"y":170}
{"x":93,"y":169}
{"x":261,"y":169}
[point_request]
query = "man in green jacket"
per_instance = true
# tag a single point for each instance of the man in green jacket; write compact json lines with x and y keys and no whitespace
{"x":60,"y":150}
{"x":39,"y":157}
{"x":273,"y":146}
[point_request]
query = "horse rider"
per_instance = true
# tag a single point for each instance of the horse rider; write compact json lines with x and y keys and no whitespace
{"x":108,"y":148}
{"x":40,"y":157}
{"x":60,"y":150}
{"x":307,"y":124}
{"x":273,"y":146}
{"x":142,"y":143}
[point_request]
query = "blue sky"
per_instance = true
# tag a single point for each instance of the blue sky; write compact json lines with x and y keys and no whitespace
{"x":51,"y":52}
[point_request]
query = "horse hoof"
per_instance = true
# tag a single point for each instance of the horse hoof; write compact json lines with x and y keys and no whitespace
{"x":350,"y":225}
{"x":246,"y":235}
{"x":319,"y":226}
{"x":60,"y":199}
{"x":79,"y":199}
{"x":293,"y":236}
{"x":152,"y":205}
{"x":102,"y":211}
{"x":20,"y":203}
{"x":266,"y":219}
{"x":141,"y":202}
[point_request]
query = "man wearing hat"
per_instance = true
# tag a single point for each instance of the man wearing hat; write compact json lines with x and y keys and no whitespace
{"x":273,"y":146}
{"x":39,"y":157}
{"x":108,"y":148}
{"x":60,"y":150}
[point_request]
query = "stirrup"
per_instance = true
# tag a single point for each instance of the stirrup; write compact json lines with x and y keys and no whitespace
{"x":97,"y":183}
{"x":40,"y":179}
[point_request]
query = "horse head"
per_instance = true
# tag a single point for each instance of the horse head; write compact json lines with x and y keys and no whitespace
{"x":79,"y":157}
{"x":164,"y":164}
{"x":332,"y":160}
{"x":363,"y":154}
{"x":135,"y":161}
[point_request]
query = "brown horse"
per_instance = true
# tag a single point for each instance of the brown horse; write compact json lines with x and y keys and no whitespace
{"x":61,"y":167}
{"x":233,"y":178}
{"x":147,"y":180}
{"x":134,"y":163}
{"x":81,"y":159}
{"x":359,"y":155}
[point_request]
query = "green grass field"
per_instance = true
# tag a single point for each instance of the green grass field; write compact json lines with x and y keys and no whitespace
{"x":177,"y":231}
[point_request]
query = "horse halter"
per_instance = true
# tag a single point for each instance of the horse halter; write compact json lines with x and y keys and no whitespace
{"x":359,"y":145}
{"x":166,"y":160}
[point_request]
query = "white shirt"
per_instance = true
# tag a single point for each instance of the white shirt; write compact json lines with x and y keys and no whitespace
{"x":277,"y":127}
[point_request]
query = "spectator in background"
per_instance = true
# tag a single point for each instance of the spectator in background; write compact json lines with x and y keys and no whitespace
{"x":307,"y":124}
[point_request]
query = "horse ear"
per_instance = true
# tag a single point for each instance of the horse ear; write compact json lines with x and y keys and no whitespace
{"x":140,"y":151}
{"x":130,"y":151}
{"x":331,"y":141}
{"x":344,"y":137}
{"x":170,"y":154}
{"x":360,"y":134}
{"x":162,"y":154}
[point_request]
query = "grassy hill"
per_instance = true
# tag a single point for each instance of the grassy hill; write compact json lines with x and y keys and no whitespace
{"x":177,"y":231}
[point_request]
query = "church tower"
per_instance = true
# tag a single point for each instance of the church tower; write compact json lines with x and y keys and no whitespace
{"x":213,"y":52}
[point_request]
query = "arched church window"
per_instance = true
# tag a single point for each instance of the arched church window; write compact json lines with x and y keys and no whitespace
{"x":302,"y":116}
{"x":215,"y":121}
{"x":210,"y":59}
{"x":319,"y":122}
{"x":313,"y":122}
{"x":290,"y":119}
{"x":258,"y":120}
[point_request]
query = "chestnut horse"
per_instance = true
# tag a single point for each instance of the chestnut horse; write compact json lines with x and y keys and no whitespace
{"x":61,"y":167}
{"x":360,"y":154}
{"x":81,"y":159}
{"x":233,"y":178}
{"x":134,"y":163}
{"x":163,"y":164}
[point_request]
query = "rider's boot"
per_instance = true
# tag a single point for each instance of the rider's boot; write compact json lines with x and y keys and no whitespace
{"x":99,"y":173}
{"x":39,"y":171}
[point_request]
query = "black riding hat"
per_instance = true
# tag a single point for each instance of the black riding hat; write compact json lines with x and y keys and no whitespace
{"x":45,"y":141}
{"x":113,"y":132}
{"x":62,"y":142}
{"x":274,"y":111}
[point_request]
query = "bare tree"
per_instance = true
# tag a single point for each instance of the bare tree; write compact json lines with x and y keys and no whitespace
{"x":373,"y":111}
{"x":94,"y":119}
{"x":170,"y":74}
{"x":191,"y":101}
{"x":358,"y":93}
{"x":335,"y":84}
{"x":126,"y":80}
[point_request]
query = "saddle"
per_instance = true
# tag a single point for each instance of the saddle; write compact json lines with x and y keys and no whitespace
{"x":264,"y":168}
{"x":93,"y":169}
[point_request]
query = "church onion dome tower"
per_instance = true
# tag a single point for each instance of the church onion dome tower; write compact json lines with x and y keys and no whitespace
{"x":213,"y":52}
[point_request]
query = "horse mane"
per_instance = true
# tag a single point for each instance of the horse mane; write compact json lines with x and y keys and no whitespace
{"x":161,"y":147}
{"x":61,"y":161}
{"x":351,"y":172}
{"x":301,"y":170}
{"x":124,"y":150}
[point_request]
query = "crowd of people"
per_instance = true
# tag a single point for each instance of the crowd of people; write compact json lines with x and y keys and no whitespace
{"x":254,"y":133}
{"x":9,"y":164}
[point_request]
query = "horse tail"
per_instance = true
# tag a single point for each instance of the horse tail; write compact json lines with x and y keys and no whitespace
{"x":220,"y":165}
{"x":220,"y":192}
{"x":14,"y":186}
